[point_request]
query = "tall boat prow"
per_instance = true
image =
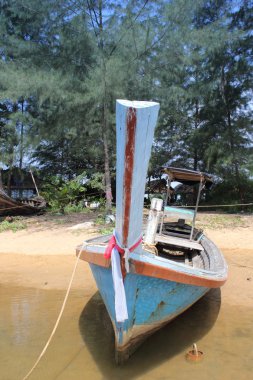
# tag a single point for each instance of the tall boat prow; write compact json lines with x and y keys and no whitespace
{"x":145,"y":282}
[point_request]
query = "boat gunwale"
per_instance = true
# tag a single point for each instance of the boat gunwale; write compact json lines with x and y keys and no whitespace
{"x":154,"y":266}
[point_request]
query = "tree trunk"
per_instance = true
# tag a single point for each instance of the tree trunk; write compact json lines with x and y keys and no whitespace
{"x":108,"y":188}
{"x":1,"y":181}
{"x":234,"y":160}
{"x":9,"y":181}
{"x":95,"y":10}
{"x":231,"y":136}
{"x":21,"y":148}
{"x":196,"y":124}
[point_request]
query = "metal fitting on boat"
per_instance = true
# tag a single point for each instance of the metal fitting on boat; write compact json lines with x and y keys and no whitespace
{"x":194,"y":355}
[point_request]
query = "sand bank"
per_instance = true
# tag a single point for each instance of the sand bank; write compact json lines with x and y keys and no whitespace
{"x":43,"y":255}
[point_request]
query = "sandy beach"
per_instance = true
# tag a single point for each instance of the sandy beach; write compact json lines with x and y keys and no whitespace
{"x":36,"y":264}
{"x":43,"y":254}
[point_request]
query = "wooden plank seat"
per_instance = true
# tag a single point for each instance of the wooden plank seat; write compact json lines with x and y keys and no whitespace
{"x":178,"y":228}
{"x":179,"y":242}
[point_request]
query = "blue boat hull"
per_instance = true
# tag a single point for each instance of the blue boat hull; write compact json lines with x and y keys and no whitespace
{"x":158,"y":286}
{"x":151,"y":303}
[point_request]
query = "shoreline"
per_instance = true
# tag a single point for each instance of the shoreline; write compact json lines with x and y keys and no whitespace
{"x":43,"y":255}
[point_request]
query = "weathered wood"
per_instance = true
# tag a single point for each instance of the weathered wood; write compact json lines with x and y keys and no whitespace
{"x":93,"y":257}
{"x":9,"y":206}
{"x":153,"y":267}
{"x":135,"y":126}
{"x":181,"y":235}
{"x":179,"y":242}
{"x":154,"y":217}
{"x":150,"y":270}
{"x":174,"y":285}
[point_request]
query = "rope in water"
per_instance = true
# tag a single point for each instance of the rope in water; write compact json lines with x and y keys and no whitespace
{"x":59,"y":316}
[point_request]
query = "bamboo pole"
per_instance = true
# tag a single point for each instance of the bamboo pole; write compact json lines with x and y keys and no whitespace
{"x":196,"y":208}
{"x":35,"y":183}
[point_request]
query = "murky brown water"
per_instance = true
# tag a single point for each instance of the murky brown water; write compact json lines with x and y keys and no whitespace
{"x":83,"y":345}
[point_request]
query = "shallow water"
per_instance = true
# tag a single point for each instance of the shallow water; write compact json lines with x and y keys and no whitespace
{"x":83,"y":346}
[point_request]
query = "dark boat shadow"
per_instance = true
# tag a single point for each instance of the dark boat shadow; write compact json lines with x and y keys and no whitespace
{"x":175,"y":338}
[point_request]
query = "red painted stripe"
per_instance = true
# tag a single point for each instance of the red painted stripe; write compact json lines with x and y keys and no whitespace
{"x":150,"y":270}
{"x":128,"y":175}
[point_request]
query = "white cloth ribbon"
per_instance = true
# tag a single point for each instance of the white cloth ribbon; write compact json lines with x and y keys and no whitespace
{"x":119,"y":289}
{"x":121,"y":312}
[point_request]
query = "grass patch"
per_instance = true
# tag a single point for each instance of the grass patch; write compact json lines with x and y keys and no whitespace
{"x":76,"y":208}
{"x":222,"y":221}
{"x":14,"y":226}
{"x":100,"y":220}
{"x":69,"y":209}
{"x":103,"y":227}
{"x":60,"y":221}
{"x":106,"y":230}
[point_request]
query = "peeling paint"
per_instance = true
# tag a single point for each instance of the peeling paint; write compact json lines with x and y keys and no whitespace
{"x":128,"y":174}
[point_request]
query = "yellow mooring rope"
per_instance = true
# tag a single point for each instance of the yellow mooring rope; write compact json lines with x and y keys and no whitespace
{"x":59,"y":316}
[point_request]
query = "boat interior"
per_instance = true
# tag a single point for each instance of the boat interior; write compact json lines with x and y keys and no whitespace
{"x":189,"y":256}
{"x":174,"y":244}
{"x":176,"y":237}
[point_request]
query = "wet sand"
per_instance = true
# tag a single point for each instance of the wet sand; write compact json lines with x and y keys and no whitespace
{"x":43,"y":255}
{"x":35,"y":268}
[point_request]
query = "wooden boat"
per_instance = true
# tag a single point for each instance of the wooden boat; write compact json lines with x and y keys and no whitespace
{"x":146,"y":285}
{"x":10,"y":206}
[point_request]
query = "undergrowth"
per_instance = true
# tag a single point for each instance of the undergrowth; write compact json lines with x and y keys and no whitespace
{"x":15,"y":225}
{"x":106,"y":230}
{"x":103,"y":227}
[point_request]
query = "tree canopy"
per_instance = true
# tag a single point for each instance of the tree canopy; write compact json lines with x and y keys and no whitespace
{"x":65,"y":62}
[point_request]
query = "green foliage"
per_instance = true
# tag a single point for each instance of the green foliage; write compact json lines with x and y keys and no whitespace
{"x":65,"y":195}
{"x":78,"y":208}
{"x":229,"y":192}
{"x":106,"y":230}
{"x":63,"y":65}
{"x":96,"y":181}
{"x":14,"y":226}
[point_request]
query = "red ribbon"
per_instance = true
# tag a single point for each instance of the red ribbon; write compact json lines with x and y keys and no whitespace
{"x":113,"y":244}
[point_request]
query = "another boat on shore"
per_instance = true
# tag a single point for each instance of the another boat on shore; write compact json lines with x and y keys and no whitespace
{"x":145,"y":282}
{"x":10,"y":206}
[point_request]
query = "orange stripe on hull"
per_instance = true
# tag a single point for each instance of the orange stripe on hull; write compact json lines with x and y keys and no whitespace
{"x":150,"y":270}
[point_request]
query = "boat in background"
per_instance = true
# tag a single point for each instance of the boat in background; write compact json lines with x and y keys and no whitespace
{"x":147,"y":283}
{"x":10,"y":206}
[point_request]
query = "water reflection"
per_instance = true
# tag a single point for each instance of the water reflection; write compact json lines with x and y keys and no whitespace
{"x":97,"y":332}
{"x":22,"y":310}
{"x":83,"y":346}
